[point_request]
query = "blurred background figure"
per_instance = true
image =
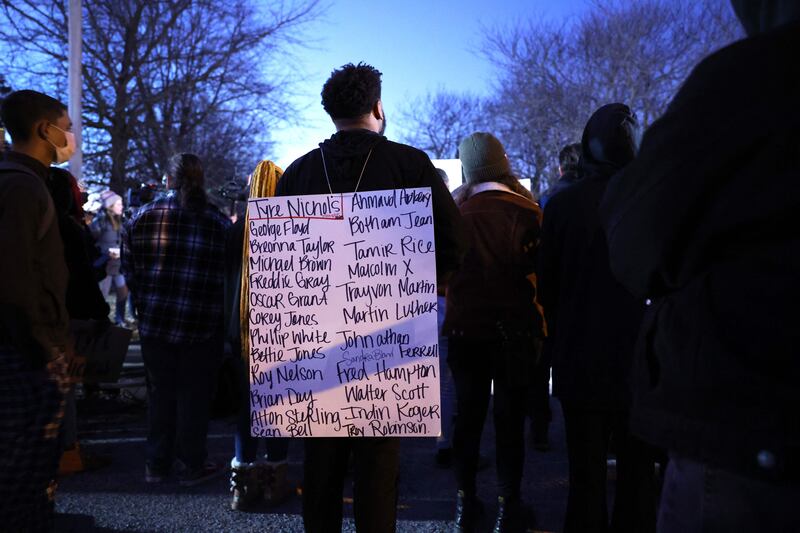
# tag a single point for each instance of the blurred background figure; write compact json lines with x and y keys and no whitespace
{"x":568,"y":159}
{"x":494,"y":328}
{"x":174,"y":257}
{"x":444,"y":443}
{"x":593,"y":322}
{"x":84,"y":301}
{"x":106,"y":228}
{"x":253,"y":479}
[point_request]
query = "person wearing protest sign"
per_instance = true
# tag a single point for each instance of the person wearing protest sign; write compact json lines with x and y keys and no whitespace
{"x":359,"y":158}
{"x":494,"y":327}
{"x":173,"y":256}
{"x":252,"y":479}
{"x":33,"y":316}
{"x":592,"y":322}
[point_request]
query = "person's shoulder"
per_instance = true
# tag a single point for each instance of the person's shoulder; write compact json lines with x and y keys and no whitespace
{"x":150,"y":208}
{"x":23,"y":189}
{"x":159,"y":204}
{"x":216,"y":216}
{"x":298,"y":163}
{"x":749,"y":63}
{"x":21,"y":181}
{"x":566,"y":197}
{"x":290,"y":175}
{"x":404,"y":149}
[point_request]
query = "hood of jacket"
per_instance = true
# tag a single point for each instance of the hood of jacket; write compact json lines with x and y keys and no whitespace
{"x":609,"y":141}
{"x":345,"y":152}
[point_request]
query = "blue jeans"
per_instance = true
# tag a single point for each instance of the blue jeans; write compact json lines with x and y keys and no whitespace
{"x":246,"y":446}
{"x":180,"y":379}
{"x":698,"y":498}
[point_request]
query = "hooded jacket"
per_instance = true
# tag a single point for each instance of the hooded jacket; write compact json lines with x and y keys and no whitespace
{"x":33,"y":277}
{"x":391,"y":165}
{"x":704,"y":223}
{"x":592,"y":319}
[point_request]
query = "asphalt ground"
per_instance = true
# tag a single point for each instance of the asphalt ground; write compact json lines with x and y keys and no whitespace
{"x":116,"y":498}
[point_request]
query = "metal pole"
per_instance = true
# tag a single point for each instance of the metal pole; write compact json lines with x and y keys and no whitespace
{"x":75,"y":110}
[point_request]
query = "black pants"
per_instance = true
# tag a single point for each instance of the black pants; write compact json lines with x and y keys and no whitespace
{"x":588,"y":433}
{"x":539,"y":391}
{"x":180,"y":378}
{"x":474,"y":369}
{"x":375,"y":461}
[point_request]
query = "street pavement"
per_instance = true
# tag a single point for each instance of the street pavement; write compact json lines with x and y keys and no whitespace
{"x":116,"y":498}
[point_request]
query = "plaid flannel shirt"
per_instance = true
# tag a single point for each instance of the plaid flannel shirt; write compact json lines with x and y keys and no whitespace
{"x":174,"y":263}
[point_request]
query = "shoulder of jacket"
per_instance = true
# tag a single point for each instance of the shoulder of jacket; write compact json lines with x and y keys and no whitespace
{"x":404,"y":149}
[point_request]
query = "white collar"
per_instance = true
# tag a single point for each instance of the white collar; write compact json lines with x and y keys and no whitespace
{"x":491,"y":186}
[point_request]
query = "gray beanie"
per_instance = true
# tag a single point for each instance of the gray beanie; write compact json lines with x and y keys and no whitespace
{"x":483,"y":158}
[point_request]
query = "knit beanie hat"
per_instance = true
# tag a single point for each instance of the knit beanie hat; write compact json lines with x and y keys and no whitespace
{"x":109,"y":198}
{"x":483,"y":158}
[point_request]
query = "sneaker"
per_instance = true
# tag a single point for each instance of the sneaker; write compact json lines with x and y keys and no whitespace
{"x":276,"y":484}
{"x":246,"y":488}
{"x":192,"y":477}
{"x":469,"y":511}
{"x":512,"y":516}
{"x":154,"y":475}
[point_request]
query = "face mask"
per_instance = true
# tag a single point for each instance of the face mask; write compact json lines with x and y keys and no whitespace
{"x":64,"y":153}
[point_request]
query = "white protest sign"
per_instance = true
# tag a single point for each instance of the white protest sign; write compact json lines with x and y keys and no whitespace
{"x":342,"y":317}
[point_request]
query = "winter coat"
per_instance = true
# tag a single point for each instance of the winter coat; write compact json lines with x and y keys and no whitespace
{"x":704,"y":224}
{"x":592,"y":320}
{"x":107,"y":237}
{"x":490,"y":296}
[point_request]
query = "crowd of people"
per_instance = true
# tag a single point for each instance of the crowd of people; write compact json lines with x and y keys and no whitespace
{"x":658,"y":279}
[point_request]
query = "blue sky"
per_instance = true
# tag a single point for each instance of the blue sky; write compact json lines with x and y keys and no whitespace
{"x":419,"y":46}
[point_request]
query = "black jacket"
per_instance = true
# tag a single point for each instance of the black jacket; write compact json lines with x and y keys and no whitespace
{"x":705,"y":223}
{"x":84,"y":300}
{"x":234,"y":245}
{"x":592,"y":319}
{"x":391,"y":166}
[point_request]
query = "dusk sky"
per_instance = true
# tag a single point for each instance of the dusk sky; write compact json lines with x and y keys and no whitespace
{"x":419,"y":45}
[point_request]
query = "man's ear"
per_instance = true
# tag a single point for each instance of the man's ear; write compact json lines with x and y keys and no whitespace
{"x":40,"y":129}
{"x":377,"y":110}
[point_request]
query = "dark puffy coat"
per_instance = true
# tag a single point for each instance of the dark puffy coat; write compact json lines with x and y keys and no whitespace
{"x":705,"y":223}
{"x":592,"y":319}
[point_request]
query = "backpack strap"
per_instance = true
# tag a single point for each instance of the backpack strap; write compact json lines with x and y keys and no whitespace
{"x":10,"y":166}
{"x":50,"y":212}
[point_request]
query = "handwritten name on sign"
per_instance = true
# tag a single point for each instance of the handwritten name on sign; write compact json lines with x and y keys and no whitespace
{"x":342,"y":316}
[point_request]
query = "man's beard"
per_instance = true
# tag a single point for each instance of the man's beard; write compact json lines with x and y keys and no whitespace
{"x":383,"y":124}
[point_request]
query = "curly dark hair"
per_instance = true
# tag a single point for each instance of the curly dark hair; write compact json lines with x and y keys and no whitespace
{"x":351,"y":91}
